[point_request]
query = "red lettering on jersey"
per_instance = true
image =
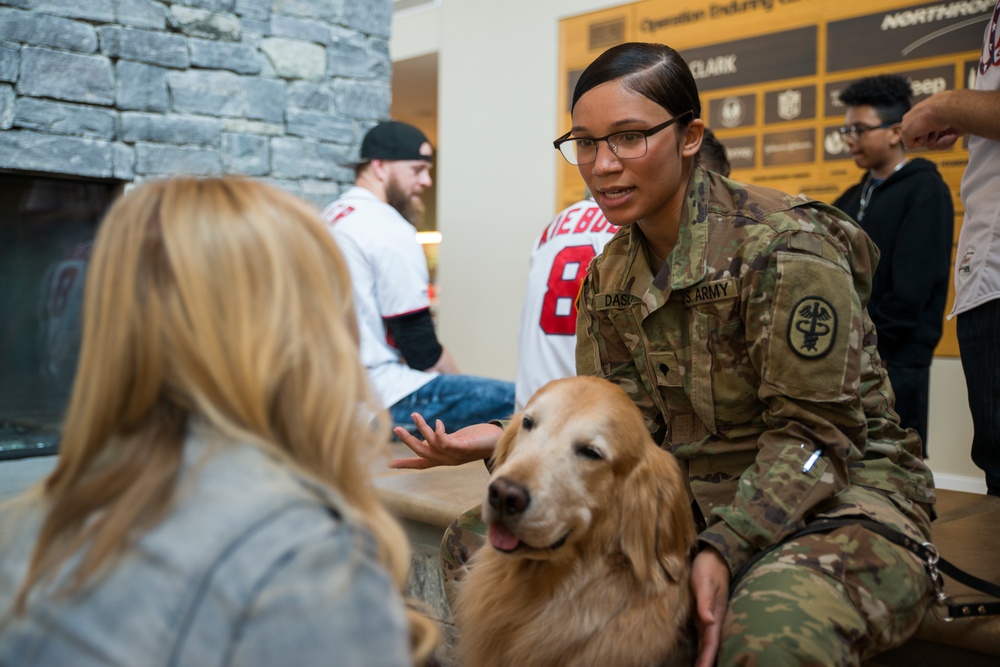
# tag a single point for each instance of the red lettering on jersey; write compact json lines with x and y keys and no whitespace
{"x":563,"y":227}
{"x":586,"y":219}
{"x":550,"y":231}
{"x":591,"y":220}
{"x":545,"y":237}
{"x":341,"y":213}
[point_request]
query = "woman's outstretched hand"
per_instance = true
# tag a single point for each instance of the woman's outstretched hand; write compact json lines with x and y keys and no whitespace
{"x":438,"y":448}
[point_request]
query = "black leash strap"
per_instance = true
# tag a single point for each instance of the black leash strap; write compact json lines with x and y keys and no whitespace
{"x":925,"y":551}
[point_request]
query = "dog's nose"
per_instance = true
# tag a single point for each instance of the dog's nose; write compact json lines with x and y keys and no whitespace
{"x":507,"y":497}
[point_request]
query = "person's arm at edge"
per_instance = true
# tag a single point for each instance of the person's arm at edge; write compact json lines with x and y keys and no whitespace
{"x":938,"y":121}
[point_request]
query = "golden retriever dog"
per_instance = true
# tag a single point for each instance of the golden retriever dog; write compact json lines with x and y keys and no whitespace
{"x":590,"y":536}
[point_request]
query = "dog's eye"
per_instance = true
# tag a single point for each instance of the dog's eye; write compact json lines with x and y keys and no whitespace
{"x":589,"y":452}
{"x":527,"y":423}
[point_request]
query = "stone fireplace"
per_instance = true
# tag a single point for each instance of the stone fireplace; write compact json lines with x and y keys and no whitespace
{"x":98,"y":94}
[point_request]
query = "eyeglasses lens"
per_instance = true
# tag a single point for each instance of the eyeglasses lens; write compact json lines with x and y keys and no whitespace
{"x":625,"y":145}
{"x":575,"y":153}
{"x":628,"y":145}
{"x":850,"y":132}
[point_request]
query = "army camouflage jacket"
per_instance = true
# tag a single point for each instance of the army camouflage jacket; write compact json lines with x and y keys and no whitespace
{"x":753,"y":360}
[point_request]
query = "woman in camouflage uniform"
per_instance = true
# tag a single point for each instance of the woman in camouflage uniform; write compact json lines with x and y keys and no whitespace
{"x":735,"y":318}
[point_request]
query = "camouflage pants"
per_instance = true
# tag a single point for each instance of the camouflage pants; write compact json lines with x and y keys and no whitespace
{"x":827,"y":599}
{"x":463,"y":537}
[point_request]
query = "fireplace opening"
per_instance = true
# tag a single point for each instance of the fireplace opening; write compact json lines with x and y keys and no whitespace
{"x":47,"y":227}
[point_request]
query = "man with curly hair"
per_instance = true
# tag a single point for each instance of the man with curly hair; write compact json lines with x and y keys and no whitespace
{"x":906,"y":208}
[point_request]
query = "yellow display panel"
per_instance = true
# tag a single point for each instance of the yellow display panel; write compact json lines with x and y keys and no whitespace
{"x":769,"y":72}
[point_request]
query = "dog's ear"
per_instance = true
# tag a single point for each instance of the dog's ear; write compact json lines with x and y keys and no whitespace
{"x":505,"y":445}
{"x":657,"y":526}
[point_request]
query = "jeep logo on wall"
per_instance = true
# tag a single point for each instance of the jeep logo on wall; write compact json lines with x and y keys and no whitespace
{"x":924,"y":82}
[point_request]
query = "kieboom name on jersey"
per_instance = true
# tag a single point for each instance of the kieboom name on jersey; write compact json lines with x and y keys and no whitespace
{"x":578,"y":221}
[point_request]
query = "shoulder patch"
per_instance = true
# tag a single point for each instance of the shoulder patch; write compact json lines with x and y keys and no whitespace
{"x":812,"y":327}
{"x":813,"y":351}
{"x":715,"y":290}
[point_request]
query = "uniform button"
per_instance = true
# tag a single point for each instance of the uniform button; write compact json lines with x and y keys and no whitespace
{"x":664,"y":369}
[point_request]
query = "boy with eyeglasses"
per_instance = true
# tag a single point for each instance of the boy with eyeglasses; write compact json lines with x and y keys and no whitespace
{"x":906,"y":208}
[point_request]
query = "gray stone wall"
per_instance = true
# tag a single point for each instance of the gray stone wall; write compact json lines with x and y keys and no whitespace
{"x":282,"y":90}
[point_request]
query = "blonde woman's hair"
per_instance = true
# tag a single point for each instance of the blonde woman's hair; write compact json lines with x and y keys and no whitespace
{"x":226,"y":298}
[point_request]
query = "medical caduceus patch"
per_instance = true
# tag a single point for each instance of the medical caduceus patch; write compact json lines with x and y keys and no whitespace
{"x":812,"y":328}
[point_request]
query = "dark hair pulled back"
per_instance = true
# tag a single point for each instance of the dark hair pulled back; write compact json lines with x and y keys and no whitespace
{"x":655,"y":71}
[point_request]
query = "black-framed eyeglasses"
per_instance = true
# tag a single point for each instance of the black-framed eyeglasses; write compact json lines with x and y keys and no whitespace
{"x":854,"y":132}
{"x":625,"y":145}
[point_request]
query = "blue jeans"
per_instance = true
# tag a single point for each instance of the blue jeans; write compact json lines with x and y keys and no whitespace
{"x":457,"y":400}
{"x":979,"y":345}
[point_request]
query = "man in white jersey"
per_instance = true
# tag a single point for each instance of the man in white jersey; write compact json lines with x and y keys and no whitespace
{"x":559,"y":262}
{"x":937,"y":122}
{"x":373,"y":224}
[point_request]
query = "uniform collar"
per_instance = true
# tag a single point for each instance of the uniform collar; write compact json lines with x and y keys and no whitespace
{"x":687,"y":264}
{"x":688,"y":261}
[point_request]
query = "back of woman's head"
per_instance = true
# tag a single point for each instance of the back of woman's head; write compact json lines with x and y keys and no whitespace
{"x":223,"y":298}
{"x":655,"y":71}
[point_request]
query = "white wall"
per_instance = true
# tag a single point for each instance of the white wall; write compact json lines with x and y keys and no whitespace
{"x":496,"y":177}
{"x":497,"y":90}
{"x":949,"y":436}
{"x":415,"y":32}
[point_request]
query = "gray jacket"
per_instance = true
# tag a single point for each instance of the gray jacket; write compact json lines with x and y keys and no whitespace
{"x":253,"y":565}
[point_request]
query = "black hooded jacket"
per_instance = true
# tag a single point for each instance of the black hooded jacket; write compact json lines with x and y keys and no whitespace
{"x":910,"y":217}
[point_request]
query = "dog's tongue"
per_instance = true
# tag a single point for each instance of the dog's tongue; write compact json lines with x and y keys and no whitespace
{"x":501,"y":538}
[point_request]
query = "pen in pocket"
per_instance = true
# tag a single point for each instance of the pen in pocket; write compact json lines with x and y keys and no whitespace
{"x":811,"y":461}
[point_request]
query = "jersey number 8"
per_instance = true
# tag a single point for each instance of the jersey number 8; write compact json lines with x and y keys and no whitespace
{"x":559,"y":305}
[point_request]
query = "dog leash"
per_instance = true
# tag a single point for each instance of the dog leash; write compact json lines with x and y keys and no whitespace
{"x":925,"y":551}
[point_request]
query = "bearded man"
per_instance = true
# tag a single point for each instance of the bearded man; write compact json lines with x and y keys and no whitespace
{"x":373,"y":224}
